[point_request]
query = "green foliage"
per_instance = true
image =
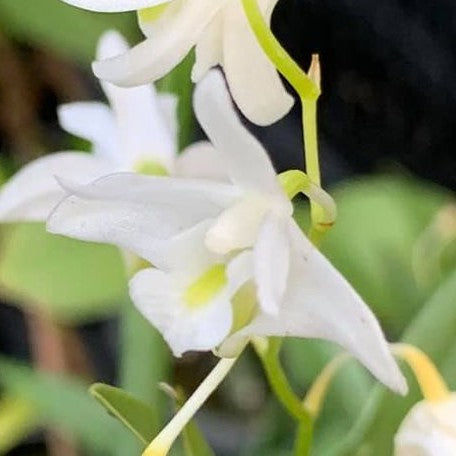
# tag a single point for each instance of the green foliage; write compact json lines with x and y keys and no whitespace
{"x":17,"y":419}
{"x":144,"y":363}
{"x":141,"y":419}
{"x":69,"y":31}
{"x":194,"y":442}
{"x":138,"y":417}
{"x":179,"y":83}
{"x":61,"y":402}
{"x":69,"y":280}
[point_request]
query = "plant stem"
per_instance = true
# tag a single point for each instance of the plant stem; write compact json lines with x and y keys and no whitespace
{"x":308,"y":90}
{"x":282,"y":389}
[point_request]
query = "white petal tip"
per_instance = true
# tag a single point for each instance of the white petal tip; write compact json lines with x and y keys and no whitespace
{"x":401,"y":386}
{"x":267,"y":115}
{"x":116,"y":6}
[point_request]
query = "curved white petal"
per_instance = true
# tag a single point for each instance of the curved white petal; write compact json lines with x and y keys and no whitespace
{"x":93,"y":121}
{"x":143,"y":132}
{"x":135,"y":211}
{"x":244,"y":157}
{"x":208,"y":50}
{"x":239,"y":271}
{"x":186,"y":251}
{"x":271,"y":263}
{"x":237,"y":227}
{"x":200,"y":160}
{"x":176,"y":32}
{"x":110,"y":44}
{"x":32,"y":193}
{"x":114,"y":6}
{"x":320,"y":303}
{"x":158,"y":297}
{"x":429,"y":429}
{"x":253,"y":80}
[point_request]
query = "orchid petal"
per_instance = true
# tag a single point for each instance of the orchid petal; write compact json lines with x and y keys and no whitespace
{"x":320,"y":303}
{"x":143,"y":131}
{"x":186,"y":251}
{"x":200,"y":160}
{"x":253,"y":80}
{"x":208,"y":50}
{"x":93,"y":121}
{"x":184,"y":329}
{"x":32,"y":193}
{"x":176,"y":32}
{"x":114,"y":6}
{"x":244,"y":157}
{"x":271,"y":263}
{"x":135,"y":211}
{"x":237,"y":227}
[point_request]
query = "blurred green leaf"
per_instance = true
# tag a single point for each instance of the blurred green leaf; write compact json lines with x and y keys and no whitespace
{"x":61,"y":402}
{"x":347,"y":393}
{"x":70,"y":280}
{"x":180,"y":83}
{"x":70,"y":31}
{"x":18,"y":418}
{"x":145,"y":361}
{"x":379,"y":221}
{"x":195,"y":443}
{"x":138,"y":417}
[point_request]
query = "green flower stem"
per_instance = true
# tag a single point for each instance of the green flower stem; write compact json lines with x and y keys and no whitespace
{"x":280,"y":386}
{"x":295,"y":181}
{"x":308,"y":92}
{"x":303,"y":442}
{"x":305,"y":87}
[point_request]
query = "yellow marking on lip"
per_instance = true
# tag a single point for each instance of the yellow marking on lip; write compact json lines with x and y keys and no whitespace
{"x":206,"y":287}
{"x":153,"y":13}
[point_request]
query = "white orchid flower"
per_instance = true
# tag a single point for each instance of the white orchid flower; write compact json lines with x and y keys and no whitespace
{"x":189,"y":299}
{"x":137,"y":133}
{"x":221,"y":35}
{"x":429,"y":428}
{"x":299,"y":293}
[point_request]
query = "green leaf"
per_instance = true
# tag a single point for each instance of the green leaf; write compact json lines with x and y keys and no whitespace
{"x":194,"y":441}
{"x":61,"y":402}
{"x":145,"y":362}
{"x":18,"y":418}
{"x":179,"y":83}
{"x":70,"y":31}
{"x":138,"y":417}
{"x":69,"y":280}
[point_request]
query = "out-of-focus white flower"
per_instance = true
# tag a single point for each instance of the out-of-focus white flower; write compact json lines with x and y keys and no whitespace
{"x":429,"y":428}
{"x":136,"y":133}
{"x":298,"y":292}
{"x":221,"y":35}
